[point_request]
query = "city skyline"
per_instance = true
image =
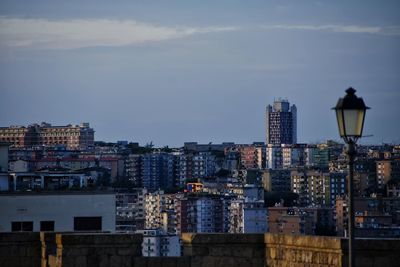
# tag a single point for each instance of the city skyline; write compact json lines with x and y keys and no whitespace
{"x":180,"y":72}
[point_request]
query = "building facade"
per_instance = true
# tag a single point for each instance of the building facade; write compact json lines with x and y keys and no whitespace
{"x":157,"y":243}
{"x":73,"y":137}
{"x":57,"y":211}
{"x":281,"y":121}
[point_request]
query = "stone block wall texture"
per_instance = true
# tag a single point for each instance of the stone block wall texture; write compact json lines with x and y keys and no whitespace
{"x":374,"y":252}
{"x":86,"y":250}
{"x":212,"y":250}
{"x":48,"y":247}
{"x":200,"y":250}
{"x":20,"y":249}
{"x":301,"y":251}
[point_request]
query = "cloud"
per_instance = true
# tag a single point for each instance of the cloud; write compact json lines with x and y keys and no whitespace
{"x":79,"y":33}
{"x":389,"y":30}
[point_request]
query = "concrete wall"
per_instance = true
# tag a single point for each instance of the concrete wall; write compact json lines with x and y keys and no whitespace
{"x":200,"y":250}
{"x":58,"y":207}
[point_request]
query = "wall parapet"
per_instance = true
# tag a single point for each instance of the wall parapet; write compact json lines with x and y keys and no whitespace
{"x":224,"y":249}
{"x":292,"y":250}
{"x":99,"y":249}
{"x":199,"y":250}
{"x":20,"y":249}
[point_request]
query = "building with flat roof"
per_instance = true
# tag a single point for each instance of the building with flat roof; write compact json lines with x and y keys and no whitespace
{"x":57,"y":211}
{"x":74,"y":137}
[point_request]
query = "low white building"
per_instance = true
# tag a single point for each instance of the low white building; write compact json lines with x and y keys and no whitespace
{"x":57,"y":211}
{"x":156,"y":243}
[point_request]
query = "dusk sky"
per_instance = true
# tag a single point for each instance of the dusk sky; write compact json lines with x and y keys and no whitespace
{"x":178,"y":71}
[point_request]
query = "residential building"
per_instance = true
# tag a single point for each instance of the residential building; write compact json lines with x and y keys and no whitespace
{"x":379,"y":214}
{"x":130,"y":210}
{"x":386,"y":170}
{"x":293,"y":156}
{"x":203,"y":165}
{"x":184,"y":168}
{"x":46,"y":180}
{"x":75,"y":137}
{"x":195,"y":147}
{"x":154,"y":207}
{"x":274,"y":157}
{"x":301,"y":221}
{"x":254,"y":217}
{"x":158,"y":170}
{"x":276,"y":180}
{"x":161,"y":211}
{"x":133,"y":169}
{"x":281,"y":121}
{"x":290,"y":220}
{"x":202,"y":214}
{"x":157,"y":243}
{"x":318,"y":188}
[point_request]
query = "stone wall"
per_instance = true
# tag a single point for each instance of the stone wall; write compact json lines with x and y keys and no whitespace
{"x":290,"y":250}
{"x":224,"y":249}
{"x":374,"y":252}
{"x":299,"y":251}
{"x":200,"y":250}
{"x":19,"y":249}
{"x":96,"y":250}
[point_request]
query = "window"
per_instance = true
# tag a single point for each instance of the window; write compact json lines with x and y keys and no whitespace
{"x":21,"y":226}
{"x":87,"y":223}
{"x":47,"y":226}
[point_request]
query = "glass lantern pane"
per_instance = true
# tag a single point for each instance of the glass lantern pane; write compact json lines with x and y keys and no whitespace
{"x":353,"y":122}
{"x":360,"y":121}
{"x":339,"y":116}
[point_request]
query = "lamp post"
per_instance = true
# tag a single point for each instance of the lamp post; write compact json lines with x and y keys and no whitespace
{"x":350,"y":114}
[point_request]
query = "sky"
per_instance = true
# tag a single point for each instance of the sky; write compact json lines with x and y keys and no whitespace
{"x":178,"y":71}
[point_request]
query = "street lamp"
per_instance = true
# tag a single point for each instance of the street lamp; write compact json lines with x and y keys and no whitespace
{"x":350,"y":114}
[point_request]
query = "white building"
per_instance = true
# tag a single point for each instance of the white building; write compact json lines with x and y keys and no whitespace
{"x":57,"y":211}
{"x":274,"y":157}
{"x":131,"y":213}
{"x":154,"y":204}
{"x":158,"y":244}
{"x":248,"y":214}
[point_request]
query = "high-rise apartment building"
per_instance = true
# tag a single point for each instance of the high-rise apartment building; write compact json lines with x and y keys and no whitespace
{"x":158,"y":170}
{"x":281,"y":119}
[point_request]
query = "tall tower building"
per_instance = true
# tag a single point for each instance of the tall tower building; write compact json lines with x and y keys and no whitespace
{"x":281,"y":121}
